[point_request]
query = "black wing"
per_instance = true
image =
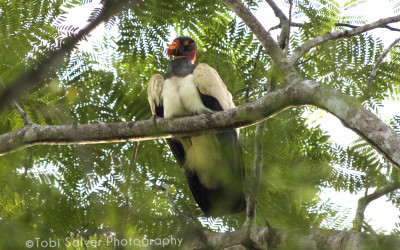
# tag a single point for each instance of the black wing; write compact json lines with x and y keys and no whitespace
{"x":222,"y":200}
{"x":175,"y":146}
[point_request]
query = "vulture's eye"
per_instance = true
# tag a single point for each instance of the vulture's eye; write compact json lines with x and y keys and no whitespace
{"x":186,"y":42}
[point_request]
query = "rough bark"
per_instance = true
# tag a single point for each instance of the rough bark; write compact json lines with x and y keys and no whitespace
{"x":299,"y":239}
{"x":300,"y":92}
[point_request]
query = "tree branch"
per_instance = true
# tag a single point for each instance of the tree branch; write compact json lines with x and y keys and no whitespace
{"x":21,"y":112}
{"x":134,"y":153}
{"x":278,"y":12}
{"x":292,"y":24}
{"x":256,"y":172}
{"x":379,"y":62}
{"x":288,"y":24}
{"x":269,"y":44}
{"x":284,"y":24}
{"x":355,"y":26}
{"x":300,"y":92}
{"x":299,"y":239}
{"x":305,"y":47}
{"x":365,"y":200}
{"x":49,"y":65}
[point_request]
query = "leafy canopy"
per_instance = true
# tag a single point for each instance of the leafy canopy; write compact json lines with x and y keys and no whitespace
{"x":94,"y":191}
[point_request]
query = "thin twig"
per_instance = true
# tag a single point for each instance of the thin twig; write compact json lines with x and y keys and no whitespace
{"x":355,"y":26}
{"x":289,"y":22}
{"x":284,"y":24}
{"x":336,"y":24}
{"x":128,"y":177}
{"x":305,"y":47}
{"x":256,"y":171}
{"x":378,"y":63}
{"x":365,"y":200}
{"x":21,"y":112}
{"x":134,"y":152}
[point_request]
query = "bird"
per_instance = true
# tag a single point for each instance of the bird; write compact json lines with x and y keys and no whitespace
{"x":212,"y":163}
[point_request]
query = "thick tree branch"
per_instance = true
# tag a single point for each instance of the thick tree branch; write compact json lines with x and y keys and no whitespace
{"x":379,"y":62}
{"x":364,"y":201}
{"x":299,"y":239}
{"x":305,"y":47}
{"x":269,"y":44}
{"x":48,"y":66}
{"x":299,"y":92}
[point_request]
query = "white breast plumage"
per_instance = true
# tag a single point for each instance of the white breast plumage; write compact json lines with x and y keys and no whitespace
{"x":181,"y":97}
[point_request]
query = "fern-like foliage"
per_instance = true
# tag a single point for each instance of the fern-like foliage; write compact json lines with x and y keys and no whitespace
{"x":345,"y":64}
{"x":395,"y":123}
{"x":340,"y":217}
{"x":28,"y":31}
{"x":360,"y":166}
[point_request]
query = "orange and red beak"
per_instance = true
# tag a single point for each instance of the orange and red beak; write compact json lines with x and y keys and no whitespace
{"x":173,"y":48}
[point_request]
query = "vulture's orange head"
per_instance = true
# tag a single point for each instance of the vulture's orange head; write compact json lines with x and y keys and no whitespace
{"x":183,"y":46}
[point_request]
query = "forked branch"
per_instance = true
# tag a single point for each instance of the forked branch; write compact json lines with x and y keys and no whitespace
{"x":284,"y":24}
{"x":305,"y":47}
{"x":365,"y":200}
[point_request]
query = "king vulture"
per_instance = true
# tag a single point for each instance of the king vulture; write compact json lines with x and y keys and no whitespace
{"x":212,"y":163}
